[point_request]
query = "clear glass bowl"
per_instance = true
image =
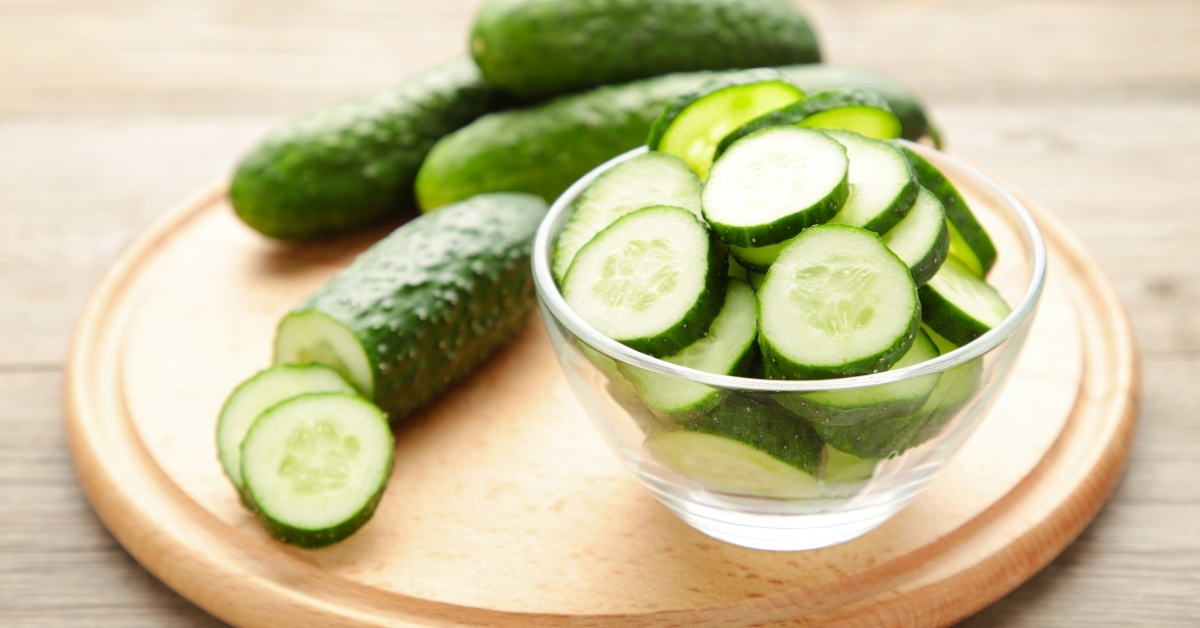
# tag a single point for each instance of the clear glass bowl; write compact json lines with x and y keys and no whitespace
{"x":736,"y":495}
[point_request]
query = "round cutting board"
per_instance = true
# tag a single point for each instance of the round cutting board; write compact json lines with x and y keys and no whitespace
{"x":506,"y":509}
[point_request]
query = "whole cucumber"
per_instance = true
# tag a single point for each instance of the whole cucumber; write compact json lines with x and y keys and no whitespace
{"x":423,"y":307}
{"x":352,"y":164}
{"x":546,"y":47}
{"x":542,"y":149}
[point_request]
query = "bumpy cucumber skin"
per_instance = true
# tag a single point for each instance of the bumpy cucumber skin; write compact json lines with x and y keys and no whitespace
{"x":350,"y":165}
{"x":538,"y":48}
{"x":717,"y":83}
{"x":809,"y":105}
{"x":764,"y":426}
{"x":903,"y":102}
{"x":957,"y":211}
{"x":438,"y":296}
{"x":544,"y":148}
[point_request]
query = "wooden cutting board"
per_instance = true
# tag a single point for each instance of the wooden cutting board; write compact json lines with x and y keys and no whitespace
{"x":506,"y":509}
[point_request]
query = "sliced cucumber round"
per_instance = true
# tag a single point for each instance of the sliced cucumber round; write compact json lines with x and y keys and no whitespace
{"x":693,"y":123}
{"x":758,"y":259}
{"x":922,"y":238}
{"x":959,"y":305}
{"x":726,"y":350}
{"x":316,"y":466}
{"x":254,"y":396}
{"x":848,"y":108}
{"x":313,"y":337}
{"x":882,"y":185}
{"x":654,"y":280}
{"x":731,"y":465}
{"x":645,"y":180}
{"x":773,"y":184}
{"x":836,"y":303}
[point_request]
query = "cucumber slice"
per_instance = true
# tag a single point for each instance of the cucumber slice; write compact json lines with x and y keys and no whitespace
{"x":882,"y":185}
{"x":726,"y":350}
{"x":864,"y":409}
{"x":645,"y":180}
{"x":836,"y":303}
{"x":959,"y":305}
{"x":316,"y":466}
{"x":848,"y":108}
{"x":693,"y":123}
{"x":654,"y":280}
{"x":954,"y":390}
{"x":921,"y":239}
{"x":758,"y":259}
{"x":972,"y":244}
{"x":736,"y":270}
{"x":771,"y":185}
{"x":255,"y":395}
{"x":757,"y":279}
{"x":840,"y":467}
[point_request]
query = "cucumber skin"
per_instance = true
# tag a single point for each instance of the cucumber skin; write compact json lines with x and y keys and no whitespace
{"x":353,"y":164}
{"x":538,"y":48}
{"x":764,"y":426}
{"x":903,"y":101}
{"x":542,"y":149}
{"x":718,"y":82}
{"x":809,"y":105}
{"x":438,"y":296}
{"x":957,"y":211}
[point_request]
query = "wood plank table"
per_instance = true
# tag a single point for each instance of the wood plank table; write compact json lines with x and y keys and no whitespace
{"x":113,"y":111}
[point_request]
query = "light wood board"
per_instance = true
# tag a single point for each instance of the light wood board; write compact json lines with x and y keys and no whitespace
{"x":505,"y":509}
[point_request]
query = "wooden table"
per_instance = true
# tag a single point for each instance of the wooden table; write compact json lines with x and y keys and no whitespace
{"x":113,"y":111}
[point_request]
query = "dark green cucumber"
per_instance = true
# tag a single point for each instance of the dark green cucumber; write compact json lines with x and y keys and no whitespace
{"x":903,"y":101}
{"x":545,"y":47}
{"x":353,"y":164}
{"x":420,"y":309}
{"x":813,"y":107}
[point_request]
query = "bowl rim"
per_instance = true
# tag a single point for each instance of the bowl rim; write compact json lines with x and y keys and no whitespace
{"x":553,"y":302}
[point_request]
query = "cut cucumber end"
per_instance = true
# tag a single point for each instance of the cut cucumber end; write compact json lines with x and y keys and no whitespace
{"x":316,"y":466}
{"x":730,"y":466}
{"x":312,"y":337}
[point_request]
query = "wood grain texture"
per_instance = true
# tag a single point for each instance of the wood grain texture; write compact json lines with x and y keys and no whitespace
{"x":111,"y":111}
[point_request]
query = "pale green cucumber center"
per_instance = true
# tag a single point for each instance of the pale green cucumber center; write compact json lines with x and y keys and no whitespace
{"x":730,"y":466}
{"x":759,"y":256}
{"x":878,"y":176}
{"x":312,"y":337}
{"x":837,"y":297}
{"x":871,"y":122}
{"x":917,"y":233}
{"x":696,"y":131}
{"x":963,"y":251}
{"x":638,"y":274}
{"x":970,"y":294}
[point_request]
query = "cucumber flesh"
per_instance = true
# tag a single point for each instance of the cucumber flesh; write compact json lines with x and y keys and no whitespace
{"x":693,"y":124}
{"x":654,"y":280}
{"x":725,"y":350}
{"x":312,"y":337}
{"x":730,"y":466}
{"x":882,"y":185}
{"x":959,"y":305}
{"x":645,"y":180}
{"x":921,"y":239}
{"x":836,"y":303}
{"x":255,"y":395}
{"x":872,"y":122}
{"x":316,"y":466}
{"x":846,"y":108}
{"x":772,"y":184}
{"x":758,"y":259}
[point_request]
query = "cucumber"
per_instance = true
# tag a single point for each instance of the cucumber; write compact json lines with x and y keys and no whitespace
{"x":692,"y":124}
{"x":421,"y":308}
{"x":727,"y":349}
{"x":847,"y":108}
{"x":645,"y":180}
{"x":768,"y":187}
{"x":969,"y":241}
{"x":654,"y":280}
{"x":903,"y":101}
{"x":538,"y":48}
{"x":959,"y":305}
{"x":758,"y":259}
{"x":842,"y":469}
{"x":316,"y":465}
{"x":353,"y":164}
{"x":836,"y":303}
{"x":882,"y":185}
{"x":922,"y":238}
{"x":255,"y":395}
{"x":745,"y":446}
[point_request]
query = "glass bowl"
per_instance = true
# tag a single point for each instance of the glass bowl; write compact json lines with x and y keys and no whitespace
{"x":865,"y":462}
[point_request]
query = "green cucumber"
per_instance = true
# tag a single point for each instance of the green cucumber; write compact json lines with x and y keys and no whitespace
{"x":759,"y":258}
{"x":771,"y":185}
{"x":654,"y":280}
{"x":316,"y":466}
{"x":538,"y":48}
{"x":692,"y":124}
{"x":353,"y":164}
{"x":645,"y":180}
{"x":836,"y":303}
{"x":255,"y":395}
{"x":959,"y":305}
{"x":902,"y":100}
{"x":882,"y":185}
{"x":847,"y":108}
{"x":727,"y":349}
{"x":922,"y":238}
{"x":969,"y":241}
{"x":421,"y":308}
